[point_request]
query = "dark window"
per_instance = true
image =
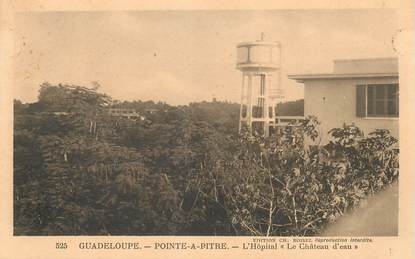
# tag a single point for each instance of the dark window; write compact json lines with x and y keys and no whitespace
{"x":361,"y":100}
{"x":382,"y":100}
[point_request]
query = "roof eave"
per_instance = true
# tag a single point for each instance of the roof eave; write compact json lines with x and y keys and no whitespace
{"x":304,"y":77}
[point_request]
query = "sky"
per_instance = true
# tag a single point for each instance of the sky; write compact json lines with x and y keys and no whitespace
{"x":186,"y":56}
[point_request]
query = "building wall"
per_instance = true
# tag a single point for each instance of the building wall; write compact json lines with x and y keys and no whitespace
{"x":127,"y":113}
{"x":366,"y":66}
{"x":333,"y":101}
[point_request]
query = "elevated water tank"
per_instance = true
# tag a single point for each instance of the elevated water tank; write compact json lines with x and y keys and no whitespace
{"x":260,"y":55}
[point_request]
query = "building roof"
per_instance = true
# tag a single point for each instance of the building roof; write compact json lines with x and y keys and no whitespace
{"x":356,"y":68}
{"x":302,"y":78}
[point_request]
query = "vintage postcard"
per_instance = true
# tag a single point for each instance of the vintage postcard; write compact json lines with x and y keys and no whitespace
{"x":207,"y":130}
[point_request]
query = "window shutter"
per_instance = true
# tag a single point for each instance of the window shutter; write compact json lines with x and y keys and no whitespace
{"x":361,"y":100}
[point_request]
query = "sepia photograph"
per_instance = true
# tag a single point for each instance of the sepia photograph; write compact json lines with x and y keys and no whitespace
{"x":206,"y":123}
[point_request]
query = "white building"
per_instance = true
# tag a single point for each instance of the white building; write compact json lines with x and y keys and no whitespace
{"x":126,"y":113}
{"x":360,"y":91}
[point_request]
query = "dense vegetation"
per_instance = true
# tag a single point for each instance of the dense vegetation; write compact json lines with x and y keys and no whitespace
{"x":291,"y":108}
{"x":182,"y":170}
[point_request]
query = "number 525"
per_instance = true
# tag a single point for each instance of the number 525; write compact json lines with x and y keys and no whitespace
{"x":61,"y":245}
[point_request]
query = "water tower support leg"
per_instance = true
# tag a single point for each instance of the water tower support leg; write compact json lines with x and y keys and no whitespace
{"x":243,"y":98}
{"x":249,"y":106}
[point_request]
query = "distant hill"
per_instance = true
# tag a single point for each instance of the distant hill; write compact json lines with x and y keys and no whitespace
{"x":223,"y":115}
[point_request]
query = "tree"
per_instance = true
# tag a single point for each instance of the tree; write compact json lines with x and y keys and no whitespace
{"x":183,"y":170}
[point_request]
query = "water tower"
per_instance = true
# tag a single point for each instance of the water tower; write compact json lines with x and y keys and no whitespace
{"x":260,"y":63}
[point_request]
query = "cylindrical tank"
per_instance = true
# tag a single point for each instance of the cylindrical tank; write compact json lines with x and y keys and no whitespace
{"x":258,"y":55}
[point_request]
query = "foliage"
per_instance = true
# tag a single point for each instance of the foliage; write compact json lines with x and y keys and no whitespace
{"x":276,"y":188}
{"x":291,"y":108}
{"x":182,"y":170}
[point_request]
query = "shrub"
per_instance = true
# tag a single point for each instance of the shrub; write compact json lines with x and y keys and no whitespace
{"x":272,"y":187}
